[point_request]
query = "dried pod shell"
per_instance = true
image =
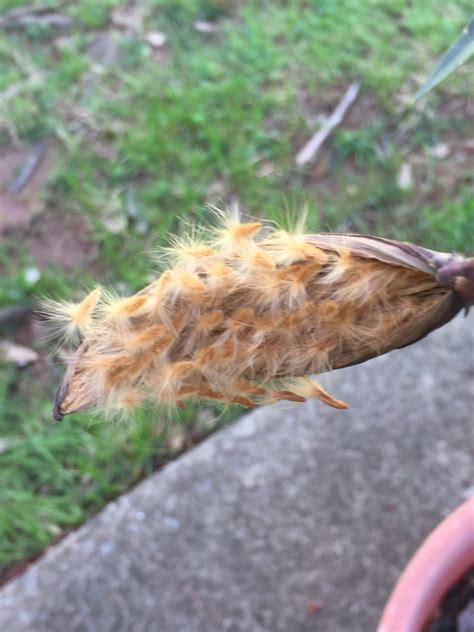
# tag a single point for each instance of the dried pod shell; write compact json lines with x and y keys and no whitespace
{"x":250,"y":317}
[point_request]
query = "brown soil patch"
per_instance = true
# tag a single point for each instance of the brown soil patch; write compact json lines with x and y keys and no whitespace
{"x":364,"y":110}
{"x":62,"y":240}
{"x":51,"y":239}
{"x":19,"y":197}
{"x":14,"y":213}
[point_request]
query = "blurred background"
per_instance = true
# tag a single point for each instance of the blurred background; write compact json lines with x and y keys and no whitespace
{"x":119,"y":120}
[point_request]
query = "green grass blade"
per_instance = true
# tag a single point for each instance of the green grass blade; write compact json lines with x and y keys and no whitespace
{"x":456,"y":55}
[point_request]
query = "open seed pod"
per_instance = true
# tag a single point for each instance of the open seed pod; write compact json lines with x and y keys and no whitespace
{"x":246,"y":319}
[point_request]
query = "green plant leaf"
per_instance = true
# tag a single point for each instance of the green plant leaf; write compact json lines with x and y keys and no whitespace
{"x":456,"y":55}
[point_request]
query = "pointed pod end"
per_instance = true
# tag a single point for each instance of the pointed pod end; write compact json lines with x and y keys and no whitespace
{"x":57,"y":416}
{"x":71,"y":397}
{"x":58,"y":400}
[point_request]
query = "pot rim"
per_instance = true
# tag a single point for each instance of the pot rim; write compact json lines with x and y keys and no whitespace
{"x":444,"y":557}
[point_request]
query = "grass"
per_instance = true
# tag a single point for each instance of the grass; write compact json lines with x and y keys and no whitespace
{"x":146,"y":138}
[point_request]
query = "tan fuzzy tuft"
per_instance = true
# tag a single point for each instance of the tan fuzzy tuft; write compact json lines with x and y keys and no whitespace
{"x":125,"y":308}
{"x":186,"y":282}
{"x":67,"y":321}
{"x":327,"y":310}
{"x":153,"y":335}
{"x":81,"y":314}
{"x":173,"y":379}
{"x":339,"y":265}
{"x":188,"y":252}
{"x":231,"y":236}
{"x":111,"y":362}
{"x":288,"y":396}
{"x":308,"y":388}
{"x":263,"y":260}
{"x":300,"y":272}
{"x":245,"y":231}
{"x":210,"y":321}
{"x":242,"y":317}
{"x":287,"y":248}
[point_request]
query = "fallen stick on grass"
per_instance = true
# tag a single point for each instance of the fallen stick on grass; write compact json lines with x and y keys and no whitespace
{"x":309,"y":151}
{"x":28,"y":168}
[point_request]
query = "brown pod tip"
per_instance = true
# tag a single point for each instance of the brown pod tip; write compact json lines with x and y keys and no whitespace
{"x":457,"y":271}
{"x":57,"y":414}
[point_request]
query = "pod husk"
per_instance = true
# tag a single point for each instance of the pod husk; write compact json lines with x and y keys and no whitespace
{"x":250,"y":319}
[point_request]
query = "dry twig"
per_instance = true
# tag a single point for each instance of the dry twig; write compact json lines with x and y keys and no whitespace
{"x":309,"y":151}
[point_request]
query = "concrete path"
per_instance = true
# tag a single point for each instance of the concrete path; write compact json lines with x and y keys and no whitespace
{"x":293,"y":506}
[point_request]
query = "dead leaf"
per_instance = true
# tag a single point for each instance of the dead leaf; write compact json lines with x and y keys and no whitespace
{"x":62,"y":240}
{"x":177,"y":441}
{"x":53,"y":529}
{"x":115,"y":223}
{"x":439,"y":151}
{"x":156,"y":39}
{"x":19,"y":355}
{"x":205,"y":27}
{"x":405,"y":177}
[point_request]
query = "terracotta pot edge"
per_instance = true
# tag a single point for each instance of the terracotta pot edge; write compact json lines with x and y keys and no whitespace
{"x":442,"y":559}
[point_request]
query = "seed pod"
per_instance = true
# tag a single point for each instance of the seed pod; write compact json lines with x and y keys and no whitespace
{"x":247,"y":321}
